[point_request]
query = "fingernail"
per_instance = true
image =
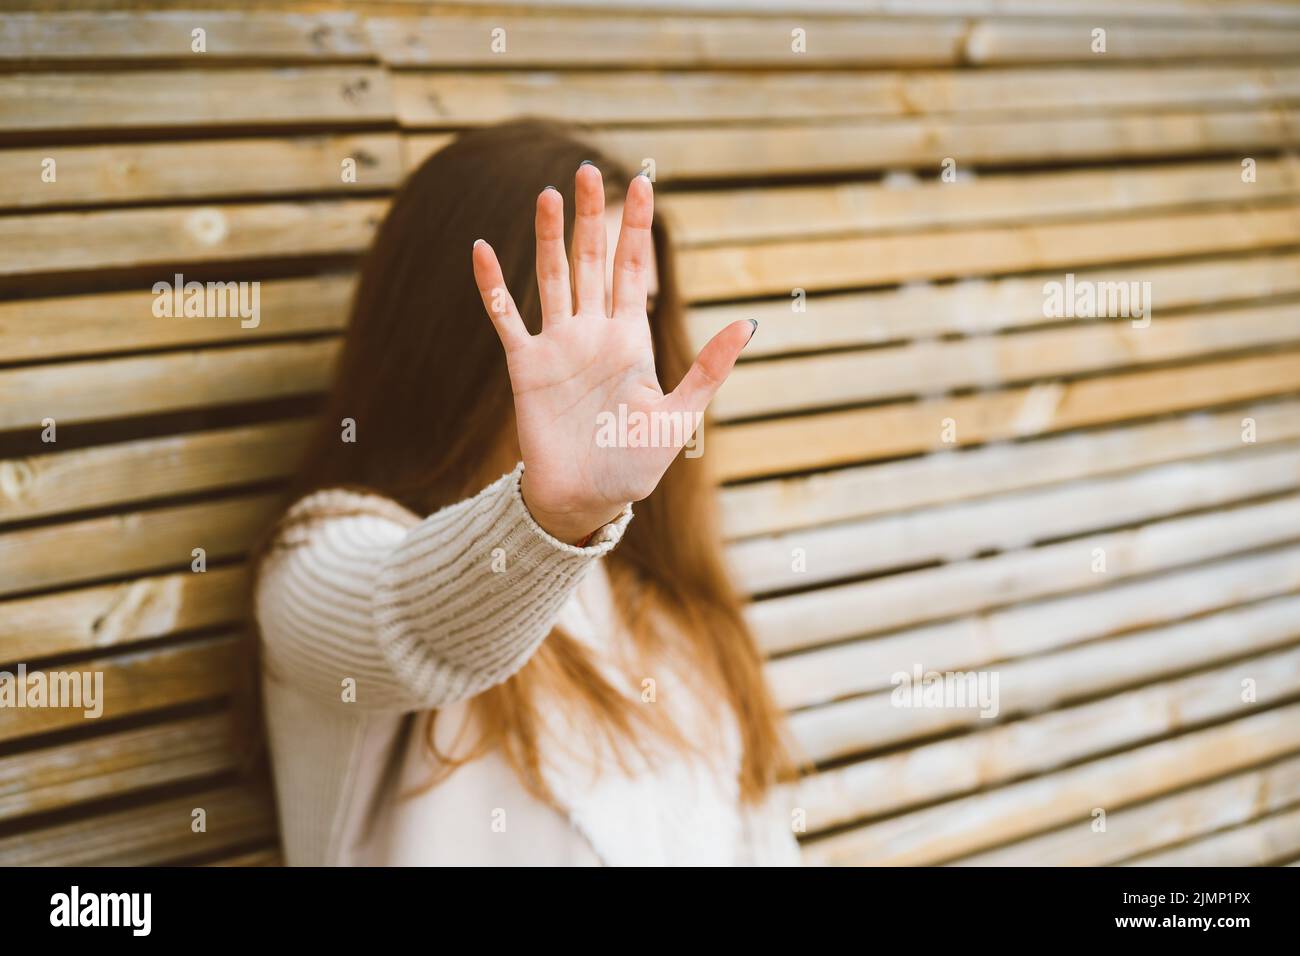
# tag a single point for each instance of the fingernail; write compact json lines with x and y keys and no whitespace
{"x":551,"y":188}
{"x":477,"y":243}
{"x":645,"y":173}
{"x":586,"y":162}
{"x":753,"y":328}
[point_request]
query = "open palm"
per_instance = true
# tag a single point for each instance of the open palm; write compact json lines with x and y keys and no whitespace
{"x":589,"y":360}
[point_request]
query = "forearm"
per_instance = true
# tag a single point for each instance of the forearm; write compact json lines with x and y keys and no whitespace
{"x":470,"y":593}
{"x":417,"y":613}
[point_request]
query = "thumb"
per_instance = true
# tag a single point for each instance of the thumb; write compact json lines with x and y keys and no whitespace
{"x":711,"y":368}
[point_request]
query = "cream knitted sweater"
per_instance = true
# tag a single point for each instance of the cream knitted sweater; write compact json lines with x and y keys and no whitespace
{"x":371,"y":616}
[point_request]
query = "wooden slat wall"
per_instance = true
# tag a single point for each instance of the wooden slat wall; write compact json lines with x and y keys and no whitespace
{"x":870,"y":545}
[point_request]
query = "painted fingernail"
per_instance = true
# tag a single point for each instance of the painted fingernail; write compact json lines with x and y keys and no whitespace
{"x":551,"y":188}
{"x":586,"y":162}
{"x":753,"y":328}
{"x":645,"y":173}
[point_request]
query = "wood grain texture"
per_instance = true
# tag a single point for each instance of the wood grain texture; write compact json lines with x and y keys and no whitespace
{"x":69,"y":326}
{"x":930,"y":367}
{"x":216,"y":168}
{"x":942,"y":477}
{"x":445,"y":98}
{"x":913,"y":597}
{"x":150,"y":834}
{"x":922,"y":144}
{"x":132,"y":542}
{"x":1207,"y":11}
{"x":1005,"y":522}
{"x":173,"y":99}
{"x":115,"y":764}
{"x":148,"y":36}
{"x":779,"y":267}
{"x":1161,"y":823}
{"x":524,"y":41}
{"x":832,"y":438}
{"x":902,"y":203}
{"x":919,"y":464}
{"x":1045,"y":741}
{"x":132,"y":684}
{"x":957,"y":828}
{"x":91,"y":619}
{"x":160,"y":236}
{"x":978,"y":305}
{"x":103,"y":475}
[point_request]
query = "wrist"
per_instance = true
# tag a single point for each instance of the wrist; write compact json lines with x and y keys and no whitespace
{"x":573,"y":527}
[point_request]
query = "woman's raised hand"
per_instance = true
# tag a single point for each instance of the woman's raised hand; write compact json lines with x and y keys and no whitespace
{"x":570,"y":381}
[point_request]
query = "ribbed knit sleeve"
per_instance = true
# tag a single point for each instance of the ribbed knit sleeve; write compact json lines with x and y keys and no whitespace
{"x":415,"y":613}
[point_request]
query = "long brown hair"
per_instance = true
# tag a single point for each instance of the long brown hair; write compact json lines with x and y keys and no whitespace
{"x":423,"y":376}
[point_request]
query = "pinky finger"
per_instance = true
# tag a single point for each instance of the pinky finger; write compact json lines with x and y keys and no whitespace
{"x":496,"y":298}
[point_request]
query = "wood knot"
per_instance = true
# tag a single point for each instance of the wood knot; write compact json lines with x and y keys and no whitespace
{"x":16,"y":480}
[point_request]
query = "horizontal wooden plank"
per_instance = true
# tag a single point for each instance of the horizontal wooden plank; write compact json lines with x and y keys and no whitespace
{"x":1201,"y":11}
{"x":461,"y":41}
{"x":444,"y":99}
{"x":135,"y":683}
{"x":136,"y":172}
{"x":828,"y":614}
{"x":1168,"y":820}
{"x":944,"y":477}
{"x":1259,"y":843}
{"x":960,"y":827}
{"x":733,"y":150}
{"x":94,"y":618}
{"x":132,"y":542}
{"x":38,"y":781}
{"x":173,"y":99}
{"x":1009,"y":521}
{"x":269,"y":856}
{"x":149,"y":835}
{"x":724,"y":272}
{"x":833,"y":438}
{"x":1117,"y":87}
{"x":132,"y":238}
{"x":153,"y":35}
{"x":1001,"y":41}
{"x":863,"y":667}
{"x":773,"y":213}
{"x":596,"y":41}
{"x":975,"y":305}
{"x":1044,"y":742}
{"x":94,"y":390}
{"x":43,"y":485}
{"x":926,"y":367}
{"x":76,"y":325}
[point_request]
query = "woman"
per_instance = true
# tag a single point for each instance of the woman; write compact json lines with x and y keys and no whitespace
{"x":472,"y":651}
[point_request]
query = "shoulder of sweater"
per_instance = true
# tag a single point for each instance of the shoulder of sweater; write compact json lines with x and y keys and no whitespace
{"x":328,"y":503}
{"x":343,"y":502}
